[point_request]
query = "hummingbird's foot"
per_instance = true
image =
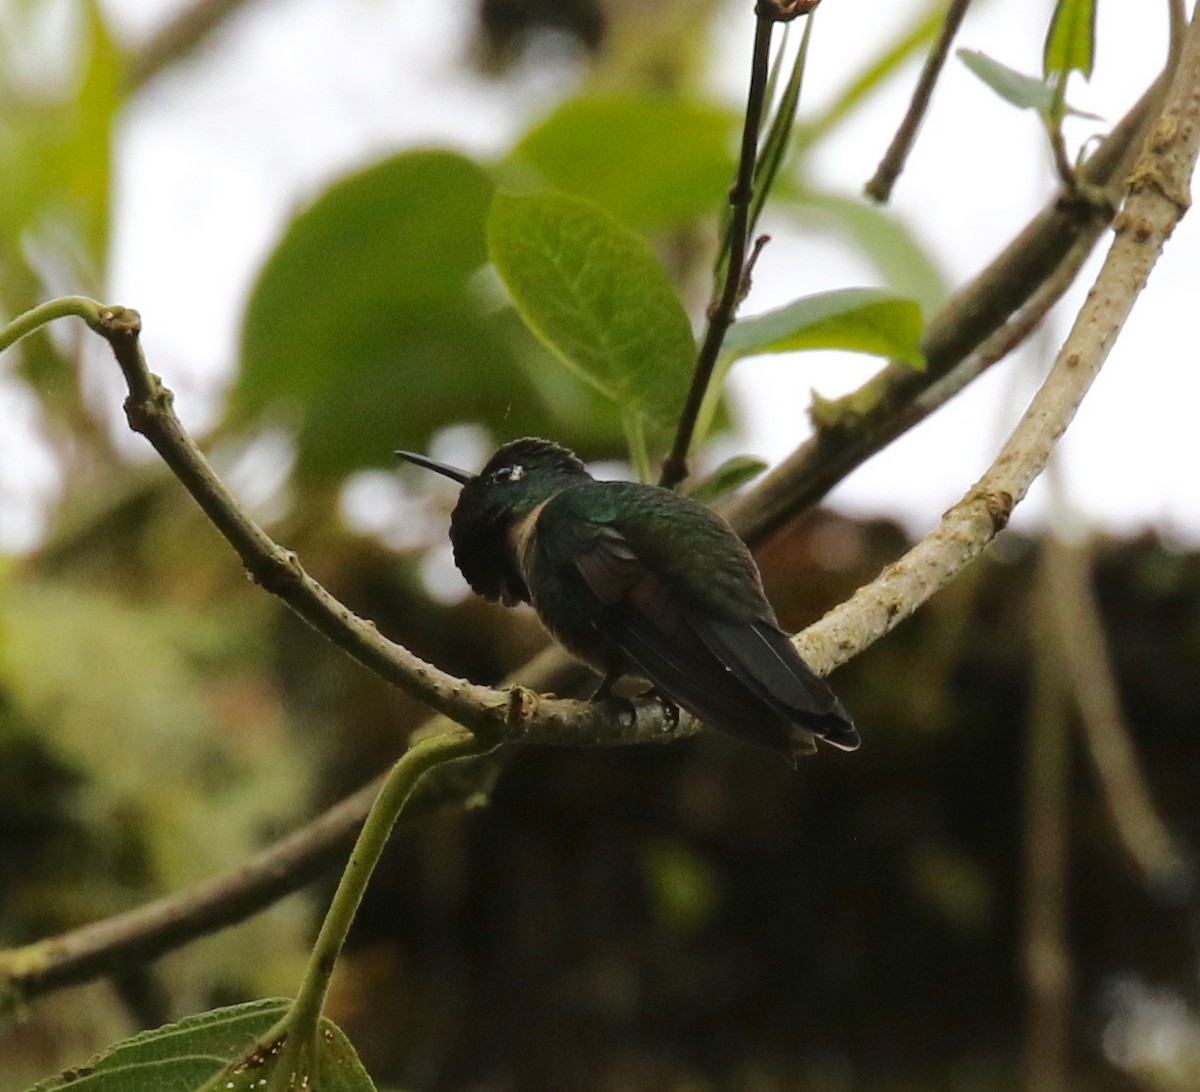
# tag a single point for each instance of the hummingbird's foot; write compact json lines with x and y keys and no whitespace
{"x":670,"y":709}
{"x":604,"y":691}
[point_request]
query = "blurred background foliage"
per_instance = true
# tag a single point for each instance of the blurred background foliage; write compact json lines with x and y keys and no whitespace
{"x":688,"y":918}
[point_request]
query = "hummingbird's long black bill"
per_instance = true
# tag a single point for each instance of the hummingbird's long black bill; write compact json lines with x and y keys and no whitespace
{"x":460,"y":476}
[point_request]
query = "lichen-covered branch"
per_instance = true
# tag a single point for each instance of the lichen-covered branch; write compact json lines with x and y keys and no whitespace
{"x":1158,"y":196}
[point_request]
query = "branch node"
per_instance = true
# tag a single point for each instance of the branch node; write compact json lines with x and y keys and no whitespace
{"x":277,"y":572}
{"x":119,"y":322}
{"x":999,"y":506}
{"x":522,"y":705}
{"x":784,"y":11}
{"x":1149,"y":175}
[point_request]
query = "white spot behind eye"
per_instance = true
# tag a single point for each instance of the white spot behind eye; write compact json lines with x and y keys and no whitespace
{"x":517,"y":473}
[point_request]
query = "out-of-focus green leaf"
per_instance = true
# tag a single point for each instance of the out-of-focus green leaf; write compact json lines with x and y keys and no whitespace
{"x":183,"y":1056}
{"x":595,"y":293}
{"x":123,"y":694}
{"x":683,"y":887}
{"x":865,"y":320}
{"x":732,"y":474}
{"x":363,"y":325}
{"x":1071,"y":42}
{"x":1027,"y":92}
{"x":898,"y":256}
{"x":651,"y":161}
{"x":56,"y":134}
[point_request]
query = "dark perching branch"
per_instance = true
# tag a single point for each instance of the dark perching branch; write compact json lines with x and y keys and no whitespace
{"x":728,"y":293}
{"x":879,"y":188}
{"x":512,"y":714}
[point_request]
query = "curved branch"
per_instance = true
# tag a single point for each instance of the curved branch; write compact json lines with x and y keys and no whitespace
{"x":1083,"y":649}
{"x":1158,"y":198}
{"x":969,"y":318}
{"x":514,"y":713}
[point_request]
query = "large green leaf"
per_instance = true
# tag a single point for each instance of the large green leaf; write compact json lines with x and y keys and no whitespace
{"x":865,"y":320}
{"x":1071,"y":42}
{"x":650,"y":160}
{"x":595,"y":293}
{"x":183,"y":1056}
{"x":363,"y":331}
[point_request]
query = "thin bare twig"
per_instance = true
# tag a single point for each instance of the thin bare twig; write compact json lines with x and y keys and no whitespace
{"x":180,"y":38}
{"x":1045,"y":952}
{"x":1084,"y":652}
{"x":880,"y":186}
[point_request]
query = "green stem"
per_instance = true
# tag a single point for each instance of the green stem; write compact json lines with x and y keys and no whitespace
{"x":635,"y":436}
{"x":23,"y":325}
{"x":298,"y":1030}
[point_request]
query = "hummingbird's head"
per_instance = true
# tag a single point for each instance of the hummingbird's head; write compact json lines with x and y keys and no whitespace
{"x":519,"y":477}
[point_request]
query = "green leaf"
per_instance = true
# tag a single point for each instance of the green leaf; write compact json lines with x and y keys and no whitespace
{"x":732,"y":474}
{"x":864,"y":320}
{"x":595,"y":293}
{"x":1024,"y":91}
{"x":363,"y":330}
{"x":650,"y":160}
{"x":1012,"y":86}
{"x":883,"y":238}
{"x":1071,"y":41}
{"x":183,"y":1056}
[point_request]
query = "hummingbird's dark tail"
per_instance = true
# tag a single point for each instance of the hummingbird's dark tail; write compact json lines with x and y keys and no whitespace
{"x":743,"y":678}
{"x":764,"y":660}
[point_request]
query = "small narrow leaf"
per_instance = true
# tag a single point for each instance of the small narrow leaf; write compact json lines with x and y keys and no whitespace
{"x":1012,"y":86}
{"x":1071,"y":41}
{"x":1024,"y":91}
{"x":730,"y":475}
{"x":778,"y":139}
{"x":864,"y":320}
{"x":597,"y":295}
{"x":187,"y":1054}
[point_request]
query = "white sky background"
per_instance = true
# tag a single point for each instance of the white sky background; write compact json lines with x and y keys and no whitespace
{"x":213,"y":158}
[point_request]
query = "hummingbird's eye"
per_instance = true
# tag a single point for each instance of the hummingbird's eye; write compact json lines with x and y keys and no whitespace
{"x":508,"y":474}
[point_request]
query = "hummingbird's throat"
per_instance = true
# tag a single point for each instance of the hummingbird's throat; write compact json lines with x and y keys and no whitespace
{"x":521,"y":537}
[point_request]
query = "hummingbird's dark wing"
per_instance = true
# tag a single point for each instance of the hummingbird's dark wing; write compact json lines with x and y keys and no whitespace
{"x":697,"y":625}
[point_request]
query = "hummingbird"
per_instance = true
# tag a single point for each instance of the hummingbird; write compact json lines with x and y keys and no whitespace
{"x":639,"y":580}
